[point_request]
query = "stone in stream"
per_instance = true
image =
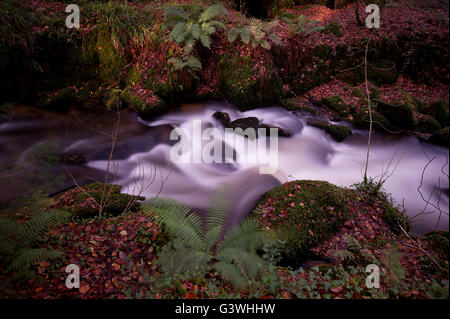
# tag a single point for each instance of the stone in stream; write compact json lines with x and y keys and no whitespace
{"x":247,"y":122}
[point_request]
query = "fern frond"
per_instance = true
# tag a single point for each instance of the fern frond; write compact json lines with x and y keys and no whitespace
{"x":33,"y":256}
{"x":248,"y":262}
{"x":245,"y":235}
{"x":218,"y":212}
{"x":37,"y":227}
{"x":180,"y":223}
{"x":176,"y":258}
{"x":212,"y":12}
{"x":230,"y":272}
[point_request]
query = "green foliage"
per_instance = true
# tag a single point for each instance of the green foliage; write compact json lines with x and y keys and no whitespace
{"x":254,"y":33}
{"x":130,"y":27}
{"x":302,"y":25}
{"x":197,"y":249}
{"x":188,"y":31}
{"x":20,"y":241}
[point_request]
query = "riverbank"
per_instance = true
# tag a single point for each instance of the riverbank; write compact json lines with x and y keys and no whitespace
{"x":118,"y":256}
{"x":292,"y":56}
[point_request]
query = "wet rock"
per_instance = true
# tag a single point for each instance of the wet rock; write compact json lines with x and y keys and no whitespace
{"x":338,"y":132}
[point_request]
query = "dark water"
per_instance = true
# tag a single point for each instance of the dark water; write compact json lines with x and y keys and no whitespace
{"x":143,"y":153}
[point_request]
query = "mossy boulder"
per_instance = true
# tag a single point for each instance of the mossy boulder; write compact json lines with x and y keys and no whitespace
{"x":426,"y":124}
{"x":338,"y":132}
{"x":336,"y":103}
{"x":85,"y":203}
{"x":400,"y":113}
{"x":440,"y":111}
{"x":247,"y":85}
{"x":440,"y":137}
{"x":305,"y":212}
{"x":145,"y":102}
{"x":361,"y":120}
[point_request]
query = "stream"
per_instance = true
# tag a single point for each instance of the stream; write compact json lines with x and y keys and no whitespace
{"x":142,"y":155}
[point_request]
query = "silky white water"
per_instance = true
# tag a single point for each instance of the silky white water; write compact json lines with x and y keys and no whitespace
{"x":308,"y":154}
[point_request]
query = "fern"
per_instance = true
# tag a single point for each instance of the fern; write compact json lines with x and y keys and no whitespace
{"x":19,"y":242}
{"x":32,"y":256}
{"x":254,"y":33}
{"x":194,"y":248}
{"x":186,"y":30}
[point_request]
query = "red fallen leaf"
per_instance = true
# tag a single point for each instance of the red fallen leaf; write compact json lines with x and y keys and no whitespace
{"x":84,"y":289}
{"x":286,"y":295}
{"x":115,"y":266}
{"x":336,"y":289}
{"x":190,"y":295}
{"x":310,"y":232}
{"x":39,"y":289}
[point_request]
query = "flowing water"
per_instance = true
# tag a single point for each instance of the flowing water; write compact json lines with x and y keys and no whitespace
{"x":143,"y":153}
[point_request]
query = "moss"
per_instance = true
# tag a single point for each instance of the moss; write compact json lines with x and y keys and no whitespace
{"x":63,"y":99}
{"x":289,"y":104}
{"x":427,"y":124}
{"x":382,"y":71}
{"x":306,"y":212}
{"x":239,"y":83}
{"x":393,"y":218}
{"x":338,"y":132}
{"x":440,"y":111}
{"x":361,"y":120}
{"x":334,"y":29}
{"x":400,"y":114}
{"x":82,"y":205}
{"x":440,"y":137}
{"x":357,"y":92}
{"x":110,"y":60}
{"x":133,"y":77}
{"x":336,"y":103}
{"x":145,"y":108}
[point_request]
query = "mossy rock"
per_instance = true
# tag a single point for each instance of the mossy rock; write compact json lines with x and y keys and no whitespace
{"x":289,"y":104}
{"x":361,"y":120}
{"x":427,"y":124}
{"x":400,"y":114}
{"x":305,"y":212}
{"x":440,"y":111}
{"x":83,"y":205}
{"x":338,"y":132}
{"x":147,"y":108}
{"x":383,"y":71}
{"x":239,"y":84}
{"x":336,"y":103}
{"x":63,"y":99}
{"x":394,"y":219}
{"x":440,"y":137}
